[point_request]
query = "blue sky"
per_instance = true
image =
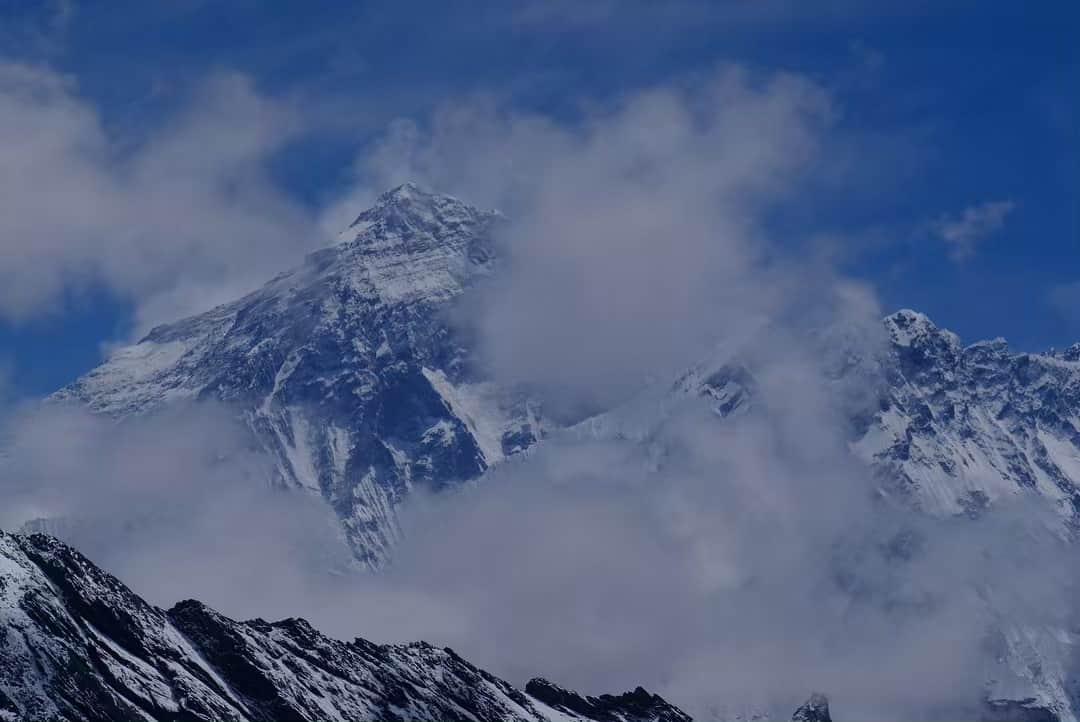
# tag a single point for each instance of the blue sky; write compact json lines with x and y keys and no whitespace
{"x":962,"y":116}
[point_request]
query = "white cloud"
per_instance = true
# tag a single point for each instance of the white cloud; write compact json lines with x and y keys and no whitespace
{"x":963,"y":233}
{"x":184,"y":219}
{"x":177,"y":505}
{"x":731,"y":567}
{"x":636,"y":231}
{"x":735,"y":566}
{"x":742,"y":565}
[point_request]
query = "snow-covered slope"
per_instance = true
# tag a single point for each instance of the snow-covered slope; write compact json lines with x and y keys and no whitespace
{"x":960,"y":427}
{"x":946,"y":429}
{"x":345,"y":369}
{"x":76,"y":644}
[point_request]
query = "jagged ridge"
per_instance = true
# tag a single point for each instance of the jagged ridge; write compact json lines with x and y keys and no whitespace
{"x":76,"y":644}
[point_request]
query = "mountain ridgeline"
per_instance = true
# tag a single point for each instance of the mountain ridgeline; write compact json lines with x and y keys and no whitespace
{"x":344,"y":369}
{"x":76,"y":644}
{"x":348,"y":373}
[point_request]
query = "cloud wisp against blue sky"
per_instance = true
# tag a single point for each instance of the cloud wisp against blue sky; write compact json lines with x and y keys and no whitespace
{"x":161,"y":157}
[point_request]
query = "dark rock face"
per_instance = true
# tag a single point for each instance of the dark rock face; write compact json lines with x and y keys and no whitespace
{"x":638,"y":704}
{"x":346,"y":369}
{"x":945,"y":428}
{"x":816,"y":709}
{"x":348,"y":372}
{"x":959,"y":427}
{"x":76,"y":644}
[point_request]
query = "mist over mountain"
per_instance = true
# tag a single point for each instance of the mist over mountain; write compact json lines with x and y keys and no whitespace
{"x":816,"y":500}
{"x":539,"y":360}
{"x":79,"y":645}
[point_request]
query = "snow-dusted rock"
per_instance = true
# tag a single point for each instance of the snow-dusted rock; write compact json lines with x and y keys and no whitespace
{"x":960,"y":427}
{"x":76,"y":644}
{"x":945,"y":428}
{"x":348,"y":372}
{"x":345,"y":369}
{"x":816,"y":709}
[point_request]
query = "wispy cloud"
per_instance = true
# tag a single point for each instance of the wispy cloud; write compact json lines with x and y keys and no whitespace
{"x":1064,"y":299}
{"x":637,"y":222}
{"x":38,"y":30}
{"x":187,"y":217}
{"x":734,"y":564}
{"x":963,"y":233}
{"x":567,"y":15}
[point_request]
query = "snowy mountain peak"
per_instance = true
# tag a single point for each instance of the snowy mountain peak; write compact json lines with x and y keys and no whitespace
{"x":1071,"y":353}
{"x":404,"y":192}
{"x":345,"y":369}
{"x":400,"y":197}
{"x":410,"y":209}
{"x":816,"y":709}
{"x":958,"y":428}
{"x":912,"y":329}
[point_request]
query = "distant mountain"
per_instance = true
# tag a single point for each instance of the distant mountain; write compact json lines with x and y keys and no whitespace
{"x":346,"y":369}
{"x":945,"y":428}
{"x":76,"y":644}
{"x":350,"y":374}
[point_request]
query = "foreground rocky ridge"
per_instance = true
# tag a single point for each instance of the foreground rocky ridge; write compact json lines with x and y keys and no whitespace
{"x":76,"y":644}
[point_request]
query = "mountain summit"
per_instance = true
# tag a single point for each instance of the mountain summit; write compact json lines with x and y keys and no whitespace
{"x":345,"y":369}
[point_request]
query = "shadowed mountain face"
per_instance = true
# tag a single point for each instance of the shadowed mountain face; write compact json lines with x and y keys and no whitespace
{"x":944,"y":428}
{"x":76,"y":644}
{"x":348,"y":372}
{"x":345,"y":370}
{"x":958,"y":427}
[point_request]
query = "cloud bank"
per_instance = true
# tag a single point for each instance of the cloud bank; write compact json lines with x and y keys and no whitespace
{"x":731,"y":565}
{"x":637,"y":229}
{"x":184,"y":218}
{"x":734,"y":566}
{"x":177,"y":504}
